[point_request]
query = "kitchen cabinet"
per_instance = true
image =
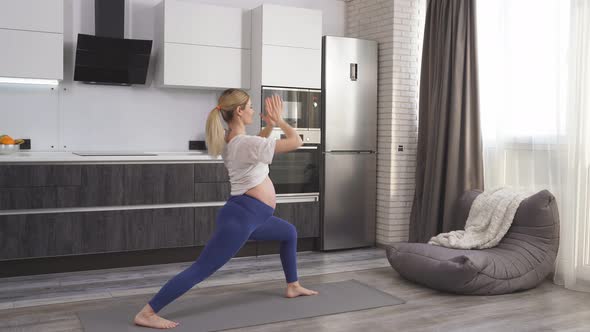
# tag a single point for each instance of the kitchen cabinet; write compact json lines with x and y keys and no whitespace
{"x":55,"y":234}
{"x":31,"y":35}
{"x":202,"y":46}
{"x":31,"y":54}
{"x":122,"y":208}
{"x":211,"y":172}
{"x":205,"y":224}
{"x":291,"y":26}
{"x":201,"y":24}
{"x":60,"y":186}
{"x":305,"y":216}
{"x":211,"y":183}
{"x":212,"y":192}
{"x":40,"y":175}
{"x":198,"y":66}
{"x":292,"y":67}
{"x":32,"y":15}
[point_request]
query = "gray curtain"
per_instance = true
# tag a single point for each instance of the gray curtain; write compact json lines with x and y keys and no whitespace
{"x":449,"y":157}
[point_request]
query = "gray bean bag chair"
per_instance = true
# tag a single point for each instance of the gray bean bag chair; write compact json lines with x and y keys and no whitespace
{"x":522,"y":260}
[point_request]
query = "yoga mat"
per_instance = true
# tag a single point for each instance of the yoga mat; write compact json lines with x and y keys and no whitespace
{"x":241,"y":309}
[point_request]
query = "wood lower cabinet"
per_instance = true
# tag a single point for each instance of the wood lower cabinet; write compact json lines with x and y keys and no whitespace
{"x":58,"y":186}
{"x":128,"y":227}
{"x":211,"y":172}
{"x":305,"y":216}
{"x":212,"y":192}
{"x":211,"y":183}
{"x":14,"y":176}
{"x":54,"y":234}
{"x":205,"y":218}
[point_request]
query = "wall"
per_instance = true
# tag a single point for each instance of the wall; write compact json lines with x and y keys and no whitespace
{"x":76,"y":116}
{"x":398,"y":27}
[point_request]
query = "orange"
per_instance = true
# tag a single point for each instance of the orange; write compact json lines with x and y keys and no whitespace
{"x":5,"y":139}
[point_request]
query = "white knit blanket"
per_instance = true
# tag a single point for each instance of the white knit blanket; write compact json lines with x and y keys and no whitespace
{"x":490,"y":217}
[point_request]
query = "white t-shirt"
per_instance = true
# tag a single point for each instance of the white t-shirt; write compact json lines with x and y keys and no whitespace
{"x":246,"y":158}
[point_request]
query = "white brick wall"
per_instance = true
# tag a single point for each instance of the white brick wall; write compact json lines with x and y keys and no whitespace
{"x":397,"y":25}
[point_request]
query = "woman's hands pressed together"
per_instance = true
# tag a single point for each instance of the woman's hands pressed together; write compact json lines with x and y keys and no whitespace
{"x":273,"y":110}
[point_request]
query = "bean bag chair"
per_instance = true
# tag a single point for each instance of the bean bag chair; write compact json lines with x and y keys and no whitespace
{"x":522,"y":260}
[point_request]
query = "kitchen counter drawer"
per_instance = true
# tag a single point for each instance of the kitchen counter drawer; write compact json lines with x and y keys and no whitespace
{"x":305,"y":216}
{"x":55,"y":234}
{"x":12,"y":176}
{"x":56,"y":186}
{"x":211,"y":172}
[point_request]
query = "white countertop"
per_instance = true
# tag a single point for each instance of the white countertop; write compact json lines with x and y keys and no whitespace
{"x":70,"y":158}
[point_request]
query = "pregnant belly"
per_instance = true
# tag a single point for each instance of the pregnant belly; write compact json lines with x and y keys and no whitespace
{"x":264,"y":192}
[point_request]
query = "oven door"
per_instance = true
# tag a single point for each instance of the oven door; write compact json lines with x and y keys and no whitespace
{"x":296,"y":172}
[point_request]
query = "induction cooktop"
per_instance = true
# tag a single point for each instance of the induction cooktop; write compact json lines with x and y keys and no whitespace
{"x":116,"y":153}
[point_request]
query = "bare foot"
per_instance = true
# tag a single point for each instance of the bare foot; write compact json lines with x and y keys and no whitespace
{"x":148,"y":318}
{"x":294,"y":290}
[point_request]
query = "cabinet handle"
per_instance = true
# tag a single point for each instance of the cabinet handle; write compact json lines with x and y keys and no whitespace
{"x":297,"y":198}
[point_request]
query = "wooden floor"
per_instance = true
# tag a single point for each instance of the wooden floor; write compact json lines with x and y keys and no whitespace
{"x":546,"y":308}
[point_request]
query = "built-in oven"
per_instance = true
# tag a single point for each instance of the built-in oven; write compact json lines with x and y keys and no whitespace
{"x":298,"y":171}
{"x":301,"y":110}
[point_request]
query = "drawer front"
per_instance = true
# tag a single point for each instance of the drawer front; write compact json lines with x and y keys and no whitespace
{"x":212,"y":192}
{"x":304,"y":216}
{"x":44,"y":235}
{"x":58,"y":186}
{"x":12,"y":176}
{"x":211,"y":172}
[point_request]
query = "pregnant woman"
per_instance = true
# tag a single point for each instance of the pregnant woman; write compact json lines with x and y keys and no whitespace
{"x":248,"y":213}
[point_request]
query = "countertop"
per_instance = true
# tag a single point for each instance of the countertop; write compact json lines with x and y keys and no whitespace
{"x":71,"y":158}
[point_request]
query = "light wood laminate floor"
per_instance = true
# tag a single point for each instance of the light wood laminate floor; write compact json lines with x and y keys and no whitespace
{"x":545,"y":308}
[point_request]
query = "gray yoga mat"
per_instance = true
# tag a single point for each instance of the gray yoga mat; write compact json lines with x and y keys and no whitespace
{"x":219,"y":312}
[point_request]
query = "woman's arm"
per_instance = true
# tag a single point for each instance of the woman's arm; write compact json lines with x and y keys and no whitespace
{"x":265,"y":132}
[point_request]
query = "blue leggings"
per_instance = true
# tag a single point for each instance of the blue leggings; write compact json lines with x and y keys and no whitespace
{"x":243,"y":217}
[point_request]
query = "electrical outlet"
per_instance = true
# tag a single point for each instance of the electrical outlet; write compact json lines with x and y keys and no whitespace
{"x":26,"y":145}
{"x":197,"y":145}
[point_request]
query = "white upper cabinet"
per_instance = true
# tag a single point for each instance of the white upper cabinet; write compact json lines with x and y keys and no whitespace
{"x":290,"y":26}
{"x":216,"y":67}
{"x":31,"y":39}
{"x":291,"y":66}
{"x":202,"y":46}
{"x":29,"y":54}
{"x":188,"y":23}
{"x":286,"y":47}
{"x":32,"y":15}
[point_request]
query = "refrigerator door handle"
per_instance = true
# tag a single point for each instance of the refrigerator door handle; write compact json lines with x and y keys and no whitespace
{"x":354,"y":71}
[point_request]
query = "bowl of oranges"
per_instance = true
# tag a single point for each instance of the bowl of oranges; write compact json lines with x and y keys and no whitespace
{"x":9,"y":145}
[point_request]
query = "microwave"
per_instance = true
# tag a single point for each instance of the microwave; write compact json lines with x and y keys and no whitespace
{"x":301,"y":109}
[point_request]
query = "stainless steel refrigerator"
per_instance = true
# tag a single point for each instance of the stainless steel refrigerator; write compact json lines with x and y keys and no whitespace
{"x":349,"y":143}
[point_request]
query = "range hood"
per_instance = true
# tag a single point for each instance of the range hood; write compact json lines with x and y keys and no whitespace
{"x":107,"y":57}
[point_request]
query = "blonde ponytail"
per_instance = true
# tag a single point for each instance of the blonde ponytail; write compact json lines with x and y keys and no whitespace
{"x":229,"y":100}
{"x":214,"y":133}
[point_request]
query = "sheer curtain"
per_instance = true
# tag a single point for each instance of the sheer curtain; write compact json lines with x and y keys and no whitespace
{"x":523,"y":67}
{"x":573,"y":265}
{"x":534,"y":112}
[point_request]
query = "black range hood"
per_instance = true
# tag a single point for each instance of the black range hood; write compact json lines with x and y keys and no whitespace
{"x":108,"y":58}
